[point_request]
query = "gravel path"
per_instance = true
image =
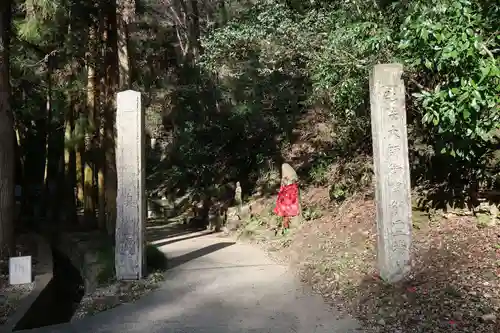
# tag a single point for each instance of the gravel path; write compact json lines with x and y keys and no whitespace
{"x":218,"y":286}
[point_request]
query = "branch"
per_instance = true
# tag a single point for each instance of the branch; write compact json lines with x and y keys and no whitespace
{"x":176,"y":16}
{"x":45,"y":59}
{"x":34,"y":47}
{"x":485,"y":49}
{"x":412,"y":80}
{"x":41,"y":52}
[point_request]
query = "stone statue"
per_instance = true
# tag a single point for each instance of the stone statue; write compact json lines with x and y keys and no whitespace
{"x":288,"y":203}
{"x":237,"y":197}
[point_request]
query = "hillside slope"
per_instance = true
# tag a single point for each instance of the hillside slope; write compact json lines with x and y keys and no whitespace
{"x":456,"y":274}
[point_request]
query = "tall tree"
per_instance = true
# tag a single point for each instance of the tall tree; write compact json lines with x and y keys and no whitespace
{"x":89,"y":189}
{"x":125,"y":10}
{"x":7,"y":135}
{"x":194,"y":30}
{"x":110,"y":87}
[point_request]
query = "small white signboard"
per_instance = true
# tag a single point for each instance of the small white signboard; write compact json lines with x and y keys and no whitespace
{"x":20,"y":270}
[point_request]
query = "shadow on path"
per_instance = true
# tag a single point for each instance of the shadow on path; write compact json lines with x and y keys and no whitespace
{"x":171,"y":241}
{"x":182,"y":259}
{"x":160,"y":233}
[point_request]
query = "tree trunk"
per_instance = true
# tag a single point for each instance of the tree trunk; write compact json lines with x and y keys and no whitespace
{"x":124,"y":15}
{"x":101,"y":200}
{"x":70,"y":164}
{"x":194,"y":33}
{"x":70,"y":146}
{"x":223,"y":16}
{"x":80,"y":180}
{"x":108,"y":139}
{"x":37,"y":160}
{"x":54,"y":169}
{"x":89,"y":189}
{"x":7,"y":135}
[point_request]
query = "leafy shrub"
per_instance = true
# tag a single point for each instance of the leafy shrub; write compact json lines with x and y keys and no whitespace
{"x":275,"y":60}
{"x":447,"y":46}
{"x":311,"y":213}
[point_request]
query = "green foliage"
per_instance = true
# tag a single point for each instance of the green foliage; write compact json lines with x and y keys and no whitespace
{"x":230,"y":128}
{"x":311,"y":213}
{"x":338,"y":192}
{"x":319,"y":172}
{"x":450,"y":51}
{"x":327,"y":46}
{"x":231,"y":114}
{"x":452,"y":63}
{"x":351,"y":176}
{"x":449,"y":42}
{"x":254,"y":225}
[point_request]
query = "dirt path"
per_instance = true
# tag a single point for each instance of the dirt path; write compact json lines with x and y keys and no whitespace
{"x":218,"y":286}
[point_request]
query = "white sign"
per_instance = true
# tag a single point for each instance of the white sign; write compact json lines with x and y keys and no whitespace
{"x":20,"y":270}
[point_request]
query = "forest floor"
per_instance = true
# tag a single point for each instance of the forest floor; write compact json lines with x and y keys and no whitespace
{"x":111,"y":293}
{"x":12,"y":295}
{"x":454,"y":285}
{"x":115,"y":293}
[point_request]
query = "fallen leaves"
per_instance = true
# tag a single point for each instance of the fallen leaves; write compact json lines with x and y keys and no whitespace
{"x":110,"y":296}
{"x":411,"y":289}
{"x":454,"y":285}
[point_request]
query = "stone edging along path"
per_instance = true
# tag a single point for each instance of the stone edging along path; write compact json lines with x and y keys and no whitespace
{"x":44,"y":275}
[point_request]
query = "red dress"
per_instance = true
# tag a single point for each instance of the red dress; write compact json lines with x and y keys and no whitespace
{"x":288,"y":201}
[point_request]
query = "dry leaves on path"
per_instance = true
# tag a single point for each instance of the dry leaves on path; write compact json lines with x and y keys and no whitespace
{"x":455,"y":281}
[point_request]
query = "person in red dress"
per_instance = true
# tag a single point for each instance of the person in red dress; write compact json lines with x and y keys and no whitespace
{"x":287,"y":204}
